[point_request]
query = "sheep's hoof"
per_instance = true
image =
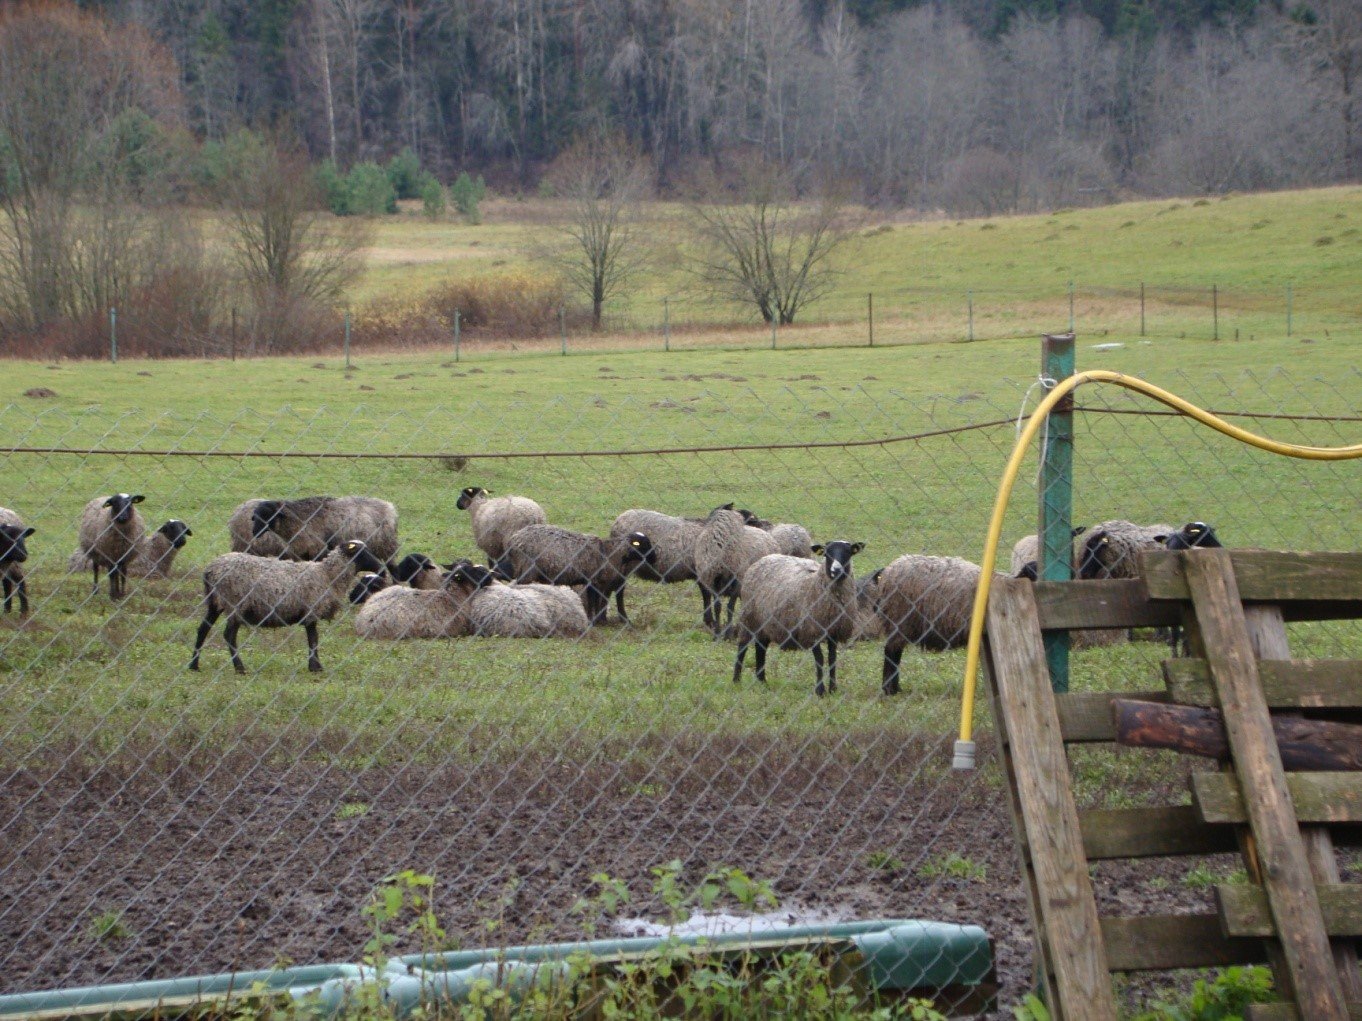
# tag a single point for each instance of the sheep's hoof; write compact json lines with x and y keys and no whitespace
{"x":818,"y":689}
{"x":314,"y":667}
{"x":194,"y":666}
{"x":239,"y":668}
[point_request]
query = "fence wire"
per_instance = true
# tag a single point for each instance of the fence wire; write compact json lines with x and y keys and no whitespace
{"x":156,"y":822}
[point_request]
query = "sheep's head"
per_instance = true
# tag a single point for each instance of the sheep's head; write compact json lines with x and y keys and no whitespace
{"x":1194,"y":535}
{"x":366,"y":586}
{"x":837,"y":557}
{"x":120,"y":506}
{"x":357,"y":554}
{"x":410,"y":566}
{"x":470,"y":494}
{"x":638,"y":550}
{"x":13,"y":549}
{"x":1099,"y":556}
{"x":177,"y":532}
{"x":1029,"y":571}
{"x":265,"y":515}
{"x":468,"y":575}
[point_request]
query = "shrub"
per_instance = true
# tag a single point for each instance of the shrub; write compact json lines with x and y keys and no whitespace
{"x":432,"y":195}
{"x":505,"y":305}
{"x":368,"y":192}
{"x":405,"y":174}
{"x":334,"y":187}
{"x":467,"y":192}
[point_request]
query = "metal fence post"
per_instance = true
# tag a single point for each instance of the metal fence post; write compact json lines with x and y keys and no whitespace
{"x":562,"y":329}
{"x":969,"y":299}
{"x":113,"y":335}
{"x":1215,"y":312}
{"x":1056,"y":496}
{"x":1071,"y":306}
{"x":666,"y":324}
{"x":233,"y":333}
{"x":1288,"y":310}
{"x":870,"y":315}
{"x":1141,"y":308}
{"x":774,"y":320}
{"x":347,"y":338}
{"x":457,"y":317}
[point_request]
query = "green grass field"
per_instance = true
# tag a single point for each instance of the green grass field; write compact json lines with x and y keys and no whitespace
{"x":82,"y":674}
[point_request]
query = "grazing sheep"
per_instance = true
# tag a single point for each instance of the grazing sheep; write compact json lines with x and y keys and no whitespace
{"x":110,"y":531}
{"x":726,"y":548}
{"x":496,"y":519}
{"x":557,"y":556}
{"x":155,"y":553}
{"x":791,"y":539}
{"x":1112,"y":549}
{"x":368,"y":585}
{"x":794,"y":603}
{"x":13,"y":553}
{"x":240,"y":527}
{"x":521,"y":611}
{"x":673,"y":546}
{"x":400,"y":612}
{"x":925,"y":601}
{"x":264,"y":592}
{"x":1026,"y":554}
{"x":868,"y":627}
{"x":311,"y":525}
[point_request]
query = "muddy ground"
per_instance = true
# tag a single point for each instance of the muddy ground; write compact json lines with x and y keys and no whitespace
{"x":249,"y":860}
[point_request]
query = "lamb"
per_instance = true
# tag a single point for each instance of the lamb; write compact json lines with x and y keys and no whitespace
{"x":13,"y":553}
{"x":791,"y":539}
{"x":155,"y":553}
{"x":110,"y":530}
{"x":521,"y":611}
{"x":495,"y":520}
{"x":1112,"y":549}
{"x":796,"y":603}
{"x":311,"y":525}
{"x":399,"y":612}
{"x":368,"y":585}
{"x":925,"y":601}
{"x":726,"y":548}
{"x":264,"y":592}
{"x":244,"y":540}
{"x":557,"y":556}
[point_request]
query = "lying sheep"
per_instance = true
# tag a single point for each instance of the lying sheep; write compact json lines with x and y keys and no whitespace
{"x":1112,"y":549}
{"x":521,"y":611}
{"x":726,"y":548}
{"x":264,"y":592}
{"x":925,"y":601}
{"x":241,"y":530}
{"x":557,"y":556}
{"x":110,"y":530}
{"x":368,"y":585}
{"x":791,"y":539}
{"x":155,"y":553}
{"x":13,"y":554}
{"x":417,"y":571}
{"x":794,"y":603}
{"x":400,"y":612}
{"x":311,"y":525}
{"x":496,"y":519}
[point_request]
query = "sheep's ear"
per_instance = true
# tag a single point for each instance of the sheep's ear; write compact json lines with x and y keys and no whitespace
{"x":1077,"y":530}
{"x":108,"y":502}
{"x":856,"y":547}
{"x":189,"y":531}
{"x":25,"y":533}
{"x":818,"y":548}
{"x":1162,"y":540}
{"x":136,"y":499}
{"x":727,"y":506}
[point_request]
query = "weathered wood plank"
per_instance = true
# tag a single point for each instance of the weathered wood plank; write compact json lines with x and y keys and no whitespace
{"x":1287,"y":684}
{"x":1302,"y":744}
{"x":1315,"y":797}
{"x":1082,"y":605}
{"x":1290,"y":887}
{"x":1271,"y":576}
{"x":1282,"y":1011}
{"x":1245,"y":912}
{"x":1085,"y":716}
{"x":1150,"y":832}
{"x":1063,"y":890}
{"x":1161,"y":942}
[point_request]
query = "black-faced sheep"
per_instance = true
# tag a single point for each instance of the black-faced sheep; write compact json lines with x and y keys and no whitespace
{"x":368,"y":585}
{"x":13,"y":554}
{"x":417,"y":571}
{"x":557,"y":556}
{"x":264,"y":592}
{"x":241,"y":530}
{"x":110,"y":530}
{"x":726,"y":548}
{"x":1193,"y":535}
{"x":400,"y":612}
{"x":521,"y":611}
{"x":791,"y":539}
{"x":496,"y":519}
{"x":1112,"y":549}
{"x":311,"y":525}
{"x":673,"y":546}
{"x":155,"y":553}
{"x":1026,"y":554}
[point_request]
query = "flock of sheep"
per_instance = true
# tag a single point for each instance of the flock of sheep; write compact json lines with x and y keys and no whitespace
{"x":299,"y":562}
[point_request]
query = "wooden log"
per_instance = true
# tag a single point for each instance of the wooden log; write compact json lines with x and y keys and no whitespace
{"x":1304,"y":744}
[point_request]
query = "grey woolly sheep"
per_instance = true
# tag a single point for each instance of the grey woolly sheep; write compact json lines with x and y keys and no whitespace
{"x":868,"y":626}
{"x":1026,"y":554}
{"x":496,"y":519}
{"x":110,"y":530}
{"x":311,"y":525}
{"x":417,"y":571}
{"x":155,"y":553}
{"x":791,"y":539}
{"x":925,"y":601}
{"x":726,"y":548}
{"x":13,"y":553}
{"x":673,"y":546}
{"x":557,"y":556}
{"x":264,"y":592}
{"x":400,"y":612}
{"x":521,"y":611}
{"x":1112,"y":549}
{"x":794,"y":603}
{"x":240,"y":528}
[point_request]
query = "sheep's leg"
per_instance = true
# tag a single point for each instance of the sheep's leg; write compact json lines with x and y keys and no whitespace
{"x":596,"y":605}
{"x":115,"y":572}
{"x":732,"y":601}
{"x":314,"y":660}
{"x":4,"y":580}
{"x":210,"y":617}
{"x":229,"y":633}
{"x":892,"y":656}
{"x":22,"y":586}
{"x":619,"y":604}
{"x":94,"y":566}
{"x":817,"y":651}
{"x":832,"y":665}
{"x":708,"y":599}
{"x":743,"y":643}
{"x":760,"y":664}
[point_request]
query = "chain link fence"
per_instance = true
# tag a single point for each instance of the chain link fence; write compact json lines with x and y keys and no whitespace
{"x":156,"y":822}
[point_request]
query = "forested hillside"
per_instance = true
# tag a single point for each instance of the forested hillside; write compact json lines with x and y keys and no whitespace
{"x":972,"y":104}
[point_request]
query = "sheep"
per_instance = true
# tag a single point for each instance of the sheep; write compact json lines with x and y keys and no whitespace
{"x":154,"y":555}
{"x":791,"y":539}
{"x":1193,"y":535}
{"x":311,"y":525}
{"x":418,"y":571}
{"x":264,"y":592}
{"x":925,"y":601}
{"x":1026,"y":554}
{"x":796,"y":603}
{"x":400,"y":612}
{"x":495,"y":520}
{"x":13,"y":553}
{"x":368,"y":585}
{"x":558,"y":556}
{"x":868,"y":626}
{"x":521,"y":611}
{"x":1112,"y":549}
{"x":245,"y":540}
{"x":110,"y":530}
{"x":673,"y":546}
{"x":726,"y":548}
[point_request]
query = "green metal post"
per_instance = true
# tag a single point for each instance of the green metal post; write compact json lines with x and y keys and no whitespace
{"x":1215,"y":312}
{"x":870,"y":315}
{"x":666,"y":324}
{"x":1141,"y":308}
{"x":457,"y":317}
{"x":1071,"y":306}
{"x":113,"y":335}
{"x":347,"y":338}
{"x":1056,"y":496}
{"x":773,"y":331}
{"x":562,"y":328}
{"x":969,"y":298}
{"x":1288,"y":310}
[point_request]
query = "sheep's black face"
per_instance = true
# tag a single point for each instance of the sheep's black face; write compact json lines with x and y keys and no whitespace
{"x":468,"y":496}
{"x":1096,"y":552}
{"x":13,"y":549}
{"x":469,"y":575}
{"x":640,"y":549}
{"x":837,"y":557}
{"x":177,"y":532}
{"x":366,"y":586}
{"x":1194,"y":535}
{"x":1029,"y":571}
{"x":264,"y":516}
{"x":121,"y":506}
{"x":410,"y":566}
{"x":361,"y":559}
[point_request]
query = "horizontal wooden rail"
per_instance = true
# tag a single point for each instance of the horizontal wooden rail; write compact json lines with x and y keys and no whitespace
{"x":1287,"y":683}
{"x":1315,"y":797}
{"x":1245,"y":912}
{"x":1161,"y":942}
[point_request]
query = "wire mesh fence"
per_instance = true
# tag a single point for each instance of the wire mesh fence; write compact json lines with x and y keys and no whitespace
{"x":157,"y":822}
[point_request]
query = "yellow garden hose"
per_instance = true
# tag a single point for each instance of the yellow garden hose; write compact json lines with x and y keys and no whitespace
{"x":964,"y":749}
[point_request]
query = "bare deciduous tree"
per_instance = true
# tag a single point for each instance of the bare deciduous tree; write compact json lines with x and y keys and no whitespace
{"x":600,"y":246}
{"x":768,"y":249}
